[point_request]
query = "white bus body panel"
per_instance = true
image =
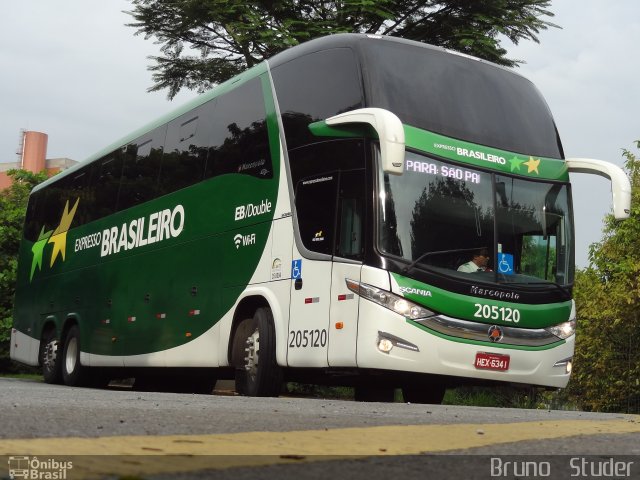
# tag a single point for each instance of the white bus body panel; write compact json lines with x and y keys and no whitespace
{"x":343,"y":324}
{"x":280,"y":283}
{"x":24,"y":349}
{"x":309,"y":312}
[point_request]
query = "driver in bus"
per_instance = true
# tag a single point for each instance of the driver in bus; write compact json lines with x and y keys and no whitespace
{"x":478,"y":262}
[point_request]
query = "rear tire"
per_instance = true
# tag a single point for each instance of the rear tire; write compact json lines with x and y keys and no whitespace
{"x":257,"y":374}
{"x":73,"y":373}
{"x":50,"y":357}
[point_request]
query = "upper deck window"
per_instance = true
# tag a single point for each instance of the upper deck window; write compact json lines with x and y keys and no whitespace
{"x":314,"y":87}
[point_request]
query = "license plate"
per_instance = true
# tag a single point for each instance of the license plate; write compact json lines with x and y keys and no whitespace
{"x":492,"y":361}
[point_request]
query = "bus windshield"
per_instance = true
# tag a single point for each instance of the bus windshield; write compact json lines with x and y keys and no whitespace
{"x":476,"y":225}
{"x":460,"y":97}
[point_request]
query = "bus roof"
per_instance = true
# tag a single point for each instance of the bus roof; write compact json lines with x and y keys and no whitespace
{"x":341,"y":40}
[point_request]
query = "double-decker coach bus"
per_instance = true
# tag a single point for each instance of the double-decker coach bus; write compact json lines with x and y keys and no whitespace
{"x":357,"y":209}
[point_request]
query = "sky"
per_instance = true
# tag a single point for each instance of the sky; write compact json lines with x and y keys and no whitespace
{"x":73,"y":70}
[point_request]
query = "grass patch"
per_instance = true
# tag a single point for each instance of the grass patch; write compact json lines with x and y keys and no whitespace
{"x":318,"y":391}
{"x":501,"y":397}
{"x":27,"y":376}
{"x":508,"y":397}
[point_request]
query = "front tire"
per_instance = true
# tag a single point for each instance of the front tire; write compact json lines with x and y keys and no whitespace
{"x":257,"y":374}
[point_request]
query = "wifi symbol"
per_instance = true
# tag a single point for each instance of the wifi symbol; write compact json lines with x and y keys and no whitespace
{"x":238,"y":240}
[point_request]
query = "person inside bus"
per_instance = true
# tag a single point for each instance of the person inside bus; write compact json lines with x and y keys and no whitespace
{"x":478,"y":262}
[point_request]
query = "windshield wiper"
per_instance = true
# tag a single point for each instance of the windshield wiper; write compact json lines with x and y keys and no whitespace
{"x":436,"y":252}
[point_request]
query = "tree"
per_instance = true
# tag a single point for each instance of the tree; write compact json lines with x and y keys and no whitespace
{"x":205,"y":42}
{"x":13,"y":206}
{"x":607,"y":359}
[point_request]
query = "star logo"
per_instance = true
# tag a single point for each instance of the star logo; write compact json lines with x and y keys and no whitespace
{"x":532,"y":165}
{"x":59,"y":236}
{"x":37,"y":250}
{"x":515,"y":163}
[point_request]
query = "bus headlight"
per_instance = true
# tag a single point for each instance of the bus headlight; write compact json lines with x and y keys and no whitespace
{"x":563,"y":330}
{"x":389,"y":300}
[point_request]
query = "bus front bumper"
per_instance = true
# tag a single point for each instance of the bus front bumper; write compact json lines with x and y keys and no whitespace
{"x":389,"y":342}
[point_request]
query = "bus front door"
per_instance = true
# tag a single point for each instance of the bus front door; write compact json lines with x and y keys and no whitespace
{"x":308,"y":335}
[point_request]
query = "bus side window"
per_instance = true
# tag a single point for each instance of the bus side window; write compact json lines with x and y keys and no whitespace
{"x":141,"y":169}
{"x":351,"y":212}
{"x":239,"y":138}
{"x":106,"y":183}
{"x":79,"y":188}
{"x":316,"y":207}
{"x":317,"y":170}
{"x":186,"y":149}
{"x":34,"y":219}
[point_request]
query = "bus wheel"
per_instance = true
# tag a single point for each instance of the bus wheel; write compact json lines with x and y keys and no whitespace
{"x":50,"y":357}
{"x":73,"y":373}
{"x":259,"y":375}
{"x":374,"y":394}
{"x":430,"y":393}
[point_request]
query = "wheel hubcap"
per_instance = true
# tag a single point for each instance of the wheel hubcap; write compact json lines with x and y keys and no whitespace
{"x":50,"y":354}
{"x":72,"y":353}
{"x":252,"y":350}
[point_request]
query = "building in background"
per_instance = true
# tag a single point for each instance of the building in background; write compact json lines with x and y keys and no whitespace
{"x":33,"y":157}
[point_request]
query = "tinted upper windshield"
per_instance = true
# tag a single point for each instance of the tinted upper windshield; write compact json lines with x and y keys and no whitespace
{"x":463,"y":222}
{"x":459,"y":97}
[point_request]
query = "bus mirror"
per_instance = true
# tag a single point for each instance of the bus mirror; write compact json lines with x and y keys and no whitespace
{"x":389,"y":129}
{"x":620,"y":185}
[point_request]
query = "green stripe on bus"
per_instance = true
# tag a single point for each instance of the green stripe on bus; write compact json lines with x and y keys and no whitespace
{"x":468,"y":307}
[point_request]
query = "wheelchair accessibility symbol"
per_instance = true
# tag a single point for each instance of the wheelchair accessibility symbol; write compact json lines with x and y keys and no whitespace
{"x":505,"y":263}
{"x":296,"y":269}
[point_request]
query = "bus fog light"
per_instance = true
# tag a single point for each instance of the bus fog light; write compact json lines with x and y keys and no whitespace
{"x":386,"y":342}
{"x":567,"y":363}
{"x":385,"y":345}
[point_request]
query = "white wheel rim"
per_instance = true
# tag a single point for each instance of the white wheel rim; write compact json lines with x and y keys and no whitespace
{"x":72,"y":354}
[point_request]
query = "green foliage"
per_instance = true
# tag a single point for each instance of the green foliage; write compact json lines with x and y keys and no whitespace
{"x":606,"y":373}
{"x":319,"y":391}
{"x":13,"y":206}
{"x":496,"y":396}
{"x":204,"y":42}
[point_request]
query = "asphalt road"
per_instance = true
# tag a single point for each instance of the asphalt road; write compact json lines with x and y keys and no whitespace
{"x":111,"y":433}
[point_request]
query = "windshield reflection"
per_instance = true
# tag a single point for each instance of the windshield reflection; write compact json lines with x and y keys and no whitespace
{"x":472,"y":224}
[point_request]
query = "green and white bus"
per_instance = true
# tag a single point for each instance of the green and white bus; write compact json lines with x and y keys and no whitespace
{"x":358,"y":210}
